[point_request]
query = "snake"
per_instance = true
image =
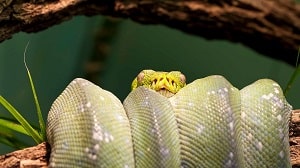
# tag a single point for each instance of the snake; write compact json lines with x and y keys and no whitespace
{"x":165,"y":122}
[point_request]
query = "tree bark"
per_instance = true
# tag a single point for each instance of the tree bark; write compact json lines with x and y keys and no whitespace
{"x":38,"y":156}
{"x":295,"y":138}
{"x":270,"y":27}
{"x":33,"y":157}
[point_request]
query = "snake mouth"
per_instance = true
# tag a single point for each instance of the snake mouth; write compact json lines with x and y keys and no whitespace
{"x":165,"y":92}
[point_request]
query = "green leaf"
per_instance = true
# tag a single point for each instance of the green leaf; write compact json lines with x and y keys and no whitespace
{"x":8,"y":138}
{"x":37,"y":105}
{"x":293,"y":77}
{"x":12,"y":125}
{"x":30,"y":130}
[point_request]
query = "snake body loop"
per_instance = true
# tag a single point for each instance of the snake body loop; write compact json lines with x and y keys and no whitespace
{"x":207,"y":123}
{"x":265,"y":116}
{"x":88,"y":127}
{"x":156,"y":142}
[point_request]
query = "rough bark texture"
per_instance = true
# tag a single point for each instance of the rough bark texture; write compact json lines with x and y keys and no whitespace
{"x":271,"y":27}
{"x":295,"y":138}
{"x":33,"y":157}
{"x":38,"y":156}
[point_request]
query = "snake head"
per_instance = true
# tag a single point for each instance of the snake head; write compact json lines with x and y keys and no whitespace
{"x":166,"y":83}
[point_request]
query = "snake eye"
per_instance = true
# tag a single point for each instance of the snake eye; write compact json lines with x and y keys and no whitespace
{"x":140,"y":77}
{"x":182,"y":78}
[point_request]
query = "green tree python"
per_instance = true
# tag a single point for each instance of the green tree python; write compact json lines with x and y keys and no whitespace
{"x":165,"y":123}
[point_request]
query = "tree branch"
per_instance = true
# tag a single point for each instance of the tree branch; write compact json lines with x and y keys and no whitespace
{"x":271,"y":27}
{"x":36,"y":156}
{"x":295,"y":138}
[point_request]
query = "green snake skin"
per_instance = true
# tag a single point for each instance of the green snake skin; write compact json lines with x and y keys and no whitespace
{"x":206,"y":124}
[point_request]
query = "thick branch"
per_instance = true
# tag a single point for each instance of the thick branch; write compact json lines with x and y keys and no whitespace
{"x":35,"y":156}
{"x":38,"y":156}
{"x":271,"y":27}
{"x":295,"y":138}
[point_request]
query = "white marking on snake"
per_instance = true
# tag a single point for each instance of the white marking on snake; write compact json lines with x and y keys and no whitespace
{"x":281,"y":134}
{"x":111,"y":137}
{"x":102,"y":98}
{"x":222,"y":95}
{"x":259,"y":146}
{"x":268,"y":97}
{"x":190,"y":104}
{"x":96,"y":147}
{"x":52,"y":164}
{"x":108,"y":137}
{"x":97,"y":133}
{"x":65,"y":145}
{"x":264,"y":96}
{"x":279,"y":117}
{"x":164,"y":151}
{"x":88,"y":104}
{"x":276,"y":99}
{"x":81,"y":107}
{"x":225,"y":89}
{"x":276,"y":90}
{"x":280,"y":104}
{"x":249,"y":136}
{"x":120,"y":118}
{"x":231,"y":126}
{"x":281,"y":154}
{"x":243,"y":115}
{"x":200,"y":128}
{"x":94,"y":118}
{"x":220,"y":91}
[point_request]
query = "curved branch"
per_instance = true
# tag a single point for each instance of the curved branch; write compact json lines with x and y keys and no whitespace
{"x":271,"y":27}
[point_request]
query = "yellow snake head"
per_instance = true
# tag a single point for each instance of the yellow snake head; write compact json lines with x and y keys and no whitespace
{"x":166,"y":83}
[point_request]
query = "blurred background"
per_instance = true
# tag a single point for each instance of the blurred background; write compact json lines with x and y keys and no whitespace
{"x":111,"y":52}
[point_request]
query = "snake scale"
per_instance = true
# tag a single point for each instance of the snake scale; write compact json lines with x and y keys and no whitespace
{"x":165,"y":123}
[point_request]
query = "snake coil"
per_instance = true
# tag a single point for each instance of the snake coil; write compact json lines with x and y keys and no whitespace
{"x":208,"y":123}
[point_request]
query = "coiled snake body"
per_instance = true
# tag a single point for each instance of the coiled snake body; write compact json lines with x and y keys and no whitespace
{"x":165,"y":123}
